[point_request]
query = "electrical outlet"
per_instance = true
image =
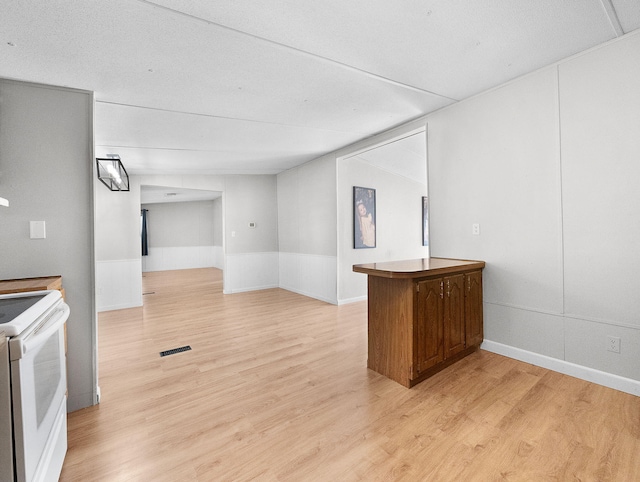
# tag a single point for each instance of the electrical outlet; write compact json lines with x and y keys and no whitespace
{"x":475,"y":229}
{"x":613,"y":344}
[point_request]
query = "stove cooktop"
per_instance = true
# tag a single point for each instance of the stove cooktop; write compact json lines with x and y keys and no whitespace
{"x":19,"y":310}
{"x":10,"y":308}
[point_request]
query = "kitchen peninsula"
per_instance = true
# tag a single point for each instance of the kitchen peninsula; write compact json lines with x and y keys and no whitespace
{"x":423,"y":315}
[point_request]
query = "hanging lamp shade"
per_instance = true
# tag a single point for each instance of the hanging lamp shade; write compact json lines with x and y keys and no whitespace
{"x":112,"y":173}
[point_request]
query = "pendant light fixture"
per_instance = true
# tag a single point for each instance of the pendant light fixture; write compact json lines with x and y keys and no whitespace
{"x":112,"y":173}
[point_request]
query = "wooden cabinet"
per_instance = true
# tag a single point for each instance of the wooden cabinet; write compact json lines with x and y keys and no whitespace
{"x":31,"y":284}
{"x":473,"y":308}
{"x":423,"y":315}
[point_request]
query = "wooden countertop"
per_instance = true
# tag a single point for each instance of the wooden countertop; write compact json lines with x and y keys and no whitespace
{"x":30,"y":284}
{"x":417,"y":268}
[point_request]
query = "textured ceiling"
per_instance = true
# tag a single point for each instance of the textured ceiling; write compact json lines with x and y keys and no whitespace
{"x":261,"y":86}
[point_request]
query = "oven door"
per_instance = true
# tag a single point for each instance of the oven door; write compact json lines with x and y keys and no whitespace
{"x":39,"y":384}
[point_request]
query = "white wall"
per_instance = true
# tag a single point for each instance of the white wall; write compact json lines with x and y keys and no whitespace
{"x":118,"y":247}
{"x":307,"y":229}
{"x":546,"y":165}
{"x":600,"y":118}
{"x":251,"y":254}
{"x":495,"y":161}
{"x":46,"y":173}
{"x":218,"y":234}
{"x":181,"y":236}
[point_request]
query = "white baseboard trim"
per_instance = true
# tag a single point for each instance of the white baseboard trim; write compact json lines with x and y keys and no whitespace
{"x":346,"y":301}
{"x":605,"y":379}
{"x":309,"y":295}
{"x":309,"y":275}
{"x":124,"y":306}
{"x":251,"y":288}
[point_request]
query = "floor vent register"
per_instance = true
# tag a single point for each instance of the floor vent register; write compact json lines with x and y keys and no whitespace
{"x":175,"y":350}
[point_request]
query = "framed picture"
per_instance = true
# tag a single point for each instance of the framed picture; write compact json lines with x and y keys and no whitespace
{"x":425,"y":221}
{"x":364,"y":217}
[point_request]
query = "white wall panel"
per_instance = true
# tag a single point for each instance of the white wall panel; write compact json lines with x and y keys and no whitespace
{"x":588,"y":347}
{"x":182,"y":257}
{"x":600,"y":108}
{"x":289,"y":211}
{"x":528,"y":330}
{"x":309,"y":275}
{"x":181,"y":224}
{"x":218,"y":257}
{"x":250,"y":199}
{"x":495,"y":160}
{"x":118,"y":284}
{"x":250,"y":271}
{"x":307,"y":208}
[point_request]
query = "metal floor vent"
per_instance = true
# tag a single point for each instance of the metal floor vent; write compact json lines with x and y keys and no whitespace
{"x":175,"y":350}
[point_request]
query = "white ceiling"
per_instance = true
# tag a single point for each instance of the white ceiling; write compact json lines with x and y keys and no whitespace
{"x":256,"y":86}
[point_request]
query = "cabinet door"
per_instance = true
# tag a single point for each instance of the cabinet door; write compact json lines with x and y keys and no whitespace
{"x":428,"y":345}
{"x":454,"y":326}
{"x":473,"y":308}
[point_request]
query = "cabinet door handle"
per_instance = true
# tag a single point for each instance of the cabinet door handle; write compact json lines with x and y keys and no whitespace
{"x":441,"y":289}
{"x":448,"y":288}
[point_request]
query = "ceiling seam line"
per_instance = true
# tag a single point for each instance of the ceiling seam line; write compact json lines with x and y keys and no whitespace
{"x":612,"y":15}
{"x":169,"y":148}
{"x":213,"y":116}
{"x":304,"y":52}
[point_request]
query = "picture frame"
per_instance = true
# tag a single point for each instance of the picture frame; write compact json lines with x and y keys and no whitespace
{"x":364,"y":217}
{"x":425,"y":221}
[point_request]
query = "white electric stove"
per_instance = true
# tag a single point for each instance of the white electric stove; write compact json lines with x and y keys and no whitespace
{"x":33,"y":386}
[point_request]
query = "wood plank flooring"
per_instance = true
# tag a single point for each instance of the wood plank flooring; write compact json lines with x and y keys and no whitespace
{"x":276,"y":388}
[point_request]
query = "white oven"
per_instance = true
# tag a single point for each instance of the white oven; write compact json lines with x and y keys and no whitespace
{"x":33,"y":385}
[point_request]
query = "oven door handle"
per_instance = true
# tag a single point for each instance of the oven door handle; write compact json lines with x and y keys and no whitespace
{"x":41,"y":333}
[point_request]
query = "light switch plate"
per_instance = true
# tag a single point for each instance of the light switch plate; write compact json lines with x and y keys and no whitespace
{"x":37,"y":230}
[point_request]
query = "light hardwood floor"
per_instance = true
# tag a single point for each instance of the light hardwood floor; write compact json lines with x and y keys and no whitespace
{"x":276,"y":388}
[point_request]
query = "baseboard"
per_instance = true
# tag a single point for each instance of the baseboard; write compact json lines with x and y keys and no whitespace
{"x":309,"y":295}
{"x":610,"y":380}
{"x":123,"y":306}
{"x":346,"y":301}
{"x":249,"y":288}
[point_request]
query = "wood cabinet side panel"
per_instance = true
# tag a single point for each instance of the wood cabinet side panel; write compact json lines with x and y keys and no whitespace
{"x":390,"y":326}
